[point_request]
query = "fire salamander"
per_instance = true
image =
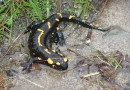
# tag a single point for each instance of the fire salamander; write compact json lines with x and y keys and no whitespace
{"x":41,"y":31}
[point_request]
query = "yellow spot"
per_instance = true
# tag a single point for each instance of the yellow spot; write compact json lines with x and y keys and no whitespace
{"x":70,"y":17}
{"x":46,"y":50}
{"x":53,"y":50}
{"x":49,"y":60}
{"x":60,"y":14}
{"x":57,"y":63}
{"x":57,"y":19}
{"x":43,"y":20}
{"x":39,"y":37}
{"x":83,"y":20}
{"x":57,"y":28}
{"x":60,"y":54}
{"x":39,"y":58}
{"x":53,"y":66}
{"x":91,"y":24}
{"x":65,"y":60}
{"x":49,"y":25}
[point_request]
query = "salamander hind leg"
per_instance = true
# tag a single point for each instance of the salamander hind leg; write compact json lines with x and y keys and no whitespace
{"x":51,"y":38}
{"x":27,"y":66}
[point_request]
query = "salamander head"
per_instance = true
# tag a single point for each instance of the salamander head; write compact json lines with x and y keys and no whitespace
{"x":34,"y":26}
{"x":61,"y":64}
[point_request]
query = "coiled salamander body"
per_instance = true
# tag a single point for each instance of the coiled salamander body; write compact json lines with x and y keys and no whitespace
{"x":40,"y":32}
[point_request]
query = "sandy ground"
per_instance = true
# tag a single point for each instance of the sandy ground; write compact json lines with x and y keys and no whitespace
{"x":116,"y":15}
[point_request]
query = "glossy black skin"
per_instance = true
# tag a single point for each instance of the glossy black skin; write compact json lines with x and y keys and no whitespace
{"x":58,"y":37}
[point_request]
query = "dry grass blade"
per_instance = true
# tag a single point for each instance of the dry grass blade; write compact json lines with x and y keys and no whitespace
{"x":103,"y":7}
{"x":12,"y":45}
{"x":59,"y":4}
{"x":91,"y":74}
{"x":27,"y":80}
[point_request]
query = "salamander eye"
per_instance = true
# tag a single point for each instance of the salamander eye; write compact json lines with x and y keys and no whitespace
{"x":53,"y":66}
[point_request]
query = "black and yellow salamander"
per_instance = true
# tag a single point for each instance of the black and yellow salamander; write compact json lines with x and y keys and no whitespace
{"x":41,"y":31}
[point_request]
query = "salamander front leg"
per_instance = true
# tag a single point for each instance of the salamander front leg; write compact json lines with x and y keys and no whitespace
{"x":58,"y":50}
{"x":27,"y":66}
{"x":60,"y":38}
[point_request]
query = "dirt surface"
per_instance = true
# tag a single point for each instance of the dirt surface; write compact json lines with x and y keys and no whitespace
{"x":83,"y":72}
{"x":116,"y":15}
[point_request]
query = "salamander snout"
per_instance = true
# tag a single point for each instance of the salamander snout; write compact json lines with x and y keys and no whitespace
{"x":64,"y":66}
